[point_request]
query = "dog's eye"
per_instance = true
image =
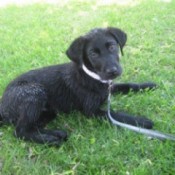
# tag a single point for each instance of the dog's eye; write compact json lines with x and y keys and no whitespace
{"x":112,"y":47}
{"x":93,"y":54}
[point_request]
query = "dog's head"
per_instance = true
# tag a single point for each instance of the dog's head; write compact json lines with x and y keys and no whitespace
{"x":98,"y":51}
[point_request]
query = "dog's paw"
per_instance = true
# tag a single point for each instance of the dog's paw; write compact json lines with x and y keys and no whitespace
{"x":144,"y":122}
{"x":148,"y":85}
{"x":60,"y":134}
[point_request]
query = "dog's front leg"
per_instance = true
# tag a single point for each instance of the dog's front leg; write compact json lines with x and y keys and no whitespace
{"x":127,"y":87}
{"x":126,"y":118}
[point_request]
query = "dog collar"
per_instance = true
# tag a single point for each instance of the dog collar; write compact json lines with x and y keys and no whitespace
{"x":94,"y":75}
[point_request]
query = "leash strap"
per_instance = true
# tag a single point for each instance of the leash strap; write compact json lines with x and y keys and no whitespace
{"x":148,"y":132}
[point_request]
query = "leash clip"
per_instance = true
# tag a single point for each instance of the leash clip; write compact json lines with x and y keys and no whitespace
{"x":110,"y":83}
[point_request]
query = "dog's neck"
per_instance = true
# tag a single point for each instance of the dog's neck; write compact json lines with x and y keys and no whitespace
{"x":94,"y":75}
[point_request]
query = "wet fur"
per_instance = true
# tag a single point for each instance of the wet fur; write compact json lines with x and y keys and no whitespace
{"x":35,"y":98}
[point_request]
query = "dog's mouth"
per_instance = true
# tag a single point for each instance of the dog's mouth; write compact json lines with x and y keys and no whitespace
{"x":110,"y":74}
{"x":108,"y":77}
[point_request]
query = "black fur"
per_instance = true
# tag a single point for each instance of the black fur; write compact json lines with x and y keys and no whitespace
{"x":35,"y":98}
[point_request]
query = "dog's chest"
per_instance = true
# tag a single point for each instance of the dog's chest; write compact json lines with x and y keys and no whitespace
{"x":85,"y":100}
{"x":90,"y":100}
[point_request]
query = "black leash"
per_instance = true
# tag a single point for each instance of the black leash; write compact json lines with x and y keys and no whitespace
{"x":148,"y":132}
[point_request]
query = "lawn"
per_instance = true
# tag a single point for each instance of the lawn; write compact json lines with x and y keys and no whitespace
{"x":37,"y":35}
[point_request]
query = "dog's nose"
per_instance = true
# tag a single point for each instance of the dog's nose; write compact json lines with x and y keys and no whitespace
{"x":112,"y":72}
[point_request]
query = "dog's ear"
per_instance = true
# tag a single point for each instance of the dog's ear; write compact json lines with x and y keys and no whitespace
{"x":119,"y":35}
{"x":75,"y":51}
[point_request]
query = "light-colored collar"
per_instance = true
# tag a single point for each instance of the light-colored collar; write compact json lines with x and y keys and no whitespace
{"x":94,"y":75}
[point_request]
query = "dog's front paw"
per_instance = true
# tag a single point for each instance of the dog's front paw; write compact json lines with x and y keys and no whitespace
{"x":148,"y":85}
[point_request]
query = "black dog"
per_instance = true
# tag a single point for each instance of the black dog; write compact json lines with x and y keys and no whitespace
{"x":36,"y":97}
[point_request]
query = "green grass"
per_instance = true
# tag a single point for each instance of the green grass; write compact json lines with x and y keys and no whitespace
{"x":38,"y":35}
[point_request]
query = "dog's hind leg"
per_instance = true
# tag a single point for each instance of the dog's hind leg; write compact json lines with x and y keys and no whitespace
{"x":45,"y":117}
{"x":28,"y":128}
{"x":127,"y":87}
{"x":25,"y":105}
